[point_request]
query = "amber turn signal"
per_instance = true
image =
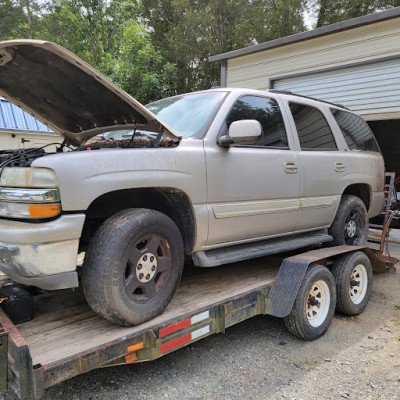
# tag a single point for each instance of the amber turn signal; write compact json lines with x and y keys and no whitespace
{"x":44,"y":210}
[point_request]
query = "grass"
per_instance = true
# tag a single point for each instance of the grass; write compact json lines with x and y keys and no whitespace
{"x":397,"y":306}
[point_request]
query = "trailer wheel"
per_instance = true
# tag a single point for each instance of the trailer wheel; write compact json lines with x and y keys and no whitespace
{"x":350,"y":224}
{"x":314,"y":306}
{"x":133,"y":266}
{"x":353,"y":276}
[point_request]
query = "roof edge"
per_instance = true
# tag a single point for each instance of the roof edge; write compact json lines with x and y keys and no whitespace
{"x":312,"y":34}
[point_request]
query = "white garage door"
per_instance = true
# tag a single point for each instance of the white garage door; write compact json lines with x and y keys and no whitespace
{"x":368,"y":89}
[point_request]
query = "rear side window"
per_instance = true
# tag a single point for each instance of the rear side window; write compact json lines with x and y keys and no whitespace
{"x":356,"y":131}
{"x":312,"y":128}
{"x":267,"y":112}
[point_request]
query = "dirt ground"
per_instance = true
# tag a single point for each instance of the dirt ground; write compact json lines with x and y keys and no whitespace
{"x":358,"y":358}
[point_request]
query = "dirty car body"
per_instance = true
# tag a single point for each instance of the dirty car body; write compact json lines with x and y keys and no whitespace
{"x":229,"y":167}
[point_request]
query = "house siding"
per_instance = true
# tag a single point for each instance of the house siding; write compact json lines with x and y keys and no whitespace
{"x":360,"y":44}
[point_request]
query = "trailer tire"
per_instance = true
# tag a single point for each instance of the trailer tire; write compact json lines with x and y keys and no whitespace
{"x":353,"y":276}
{"x":133,"y":266}
{"x":314,"y":307}
{"x":350,"y":225}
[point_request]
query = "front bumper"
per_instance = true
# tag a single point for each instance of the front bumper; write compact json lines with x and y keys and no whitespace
{"x":42,"y":254}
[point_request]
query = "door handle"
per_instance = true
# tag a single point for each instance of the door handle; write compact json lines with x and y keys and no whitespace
{"x":339,"y":167}
{"x":291,"y":168}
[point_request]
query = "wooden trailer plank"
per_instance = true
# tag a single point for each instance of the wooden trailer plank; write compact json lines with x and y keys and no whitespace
{"x":64,"y":325}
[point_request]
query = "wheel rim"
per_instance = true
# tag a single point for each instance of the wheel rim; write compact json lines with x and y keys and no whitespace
{"x":148,"y":266}
{"x":358,"y":284}
{"x":318,"y":302}
{"x":352,"y":227}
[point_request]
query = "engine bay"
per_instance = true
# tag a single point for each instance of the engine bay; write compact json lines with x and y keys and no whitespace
{"x":25,"y":157}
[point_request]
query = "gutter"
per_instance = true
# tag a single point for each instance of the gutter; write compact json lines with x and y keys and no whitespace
{"x":312,"y":34}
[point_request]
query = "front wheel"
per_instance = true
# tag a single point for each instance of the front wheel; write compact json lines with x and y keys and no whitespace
{"x":314,"y":306}
{"x":350,"y":226}
{"x":133,"y":266}
{"x":353,"y":276}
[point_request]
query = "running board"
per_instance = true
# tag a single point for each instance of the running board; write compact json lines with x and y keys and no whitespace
{"x":226,"y":255}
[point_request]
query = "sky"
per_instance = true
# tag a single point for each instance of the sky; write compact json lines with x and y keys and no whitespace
{"x":309,"y":18}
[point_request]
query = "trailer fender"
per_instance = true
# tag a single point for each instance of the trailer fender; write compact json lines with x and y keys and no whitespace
{"x":281,"y":297}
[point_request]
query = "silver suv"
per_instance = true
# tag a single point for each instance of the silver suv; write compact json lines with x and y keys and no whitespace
{"x":221,"y":175}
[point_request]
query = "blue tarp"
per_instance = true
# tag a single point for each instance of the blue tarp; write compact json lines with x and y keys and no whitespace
{"x":12,"y":117}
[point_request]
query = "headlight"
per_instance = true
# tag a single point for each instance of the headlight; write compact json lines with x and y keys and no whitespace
{"x":28,"y":177}
{"x":29,"y":193}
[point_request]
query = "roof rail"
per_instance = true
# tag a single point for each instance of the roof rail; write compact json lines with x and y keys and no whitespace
{"x":307,"y":97}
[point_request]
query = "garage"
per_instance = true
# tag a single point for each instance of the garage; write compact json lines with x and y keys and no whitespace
{"x":355,"y":63}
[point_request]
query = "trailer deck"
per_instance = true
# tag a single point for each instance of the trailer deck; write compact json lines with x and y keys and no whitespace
{"x":66,"y":338}
{"x":64,"y":325}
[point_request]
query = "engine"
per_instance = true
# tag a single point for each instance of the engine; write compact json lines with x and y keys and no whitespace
{"x":20,"y":157}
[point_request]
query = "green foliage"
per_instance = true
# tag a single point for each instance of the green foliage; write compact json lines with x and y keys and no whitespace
{"x":187,"y":32}
{"x":89,"y":28}
{"x":139,"y":68}
{"x":19,"y":19}
{"x":152,"y":48}
{"x":332,"y":11}
{"x":9,"y":15}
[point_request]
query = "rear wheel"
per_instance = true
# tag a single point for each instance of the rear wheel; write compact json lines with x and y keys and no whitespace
{"x":133,"y":266}
{"x":350,"y":225}
{"x":353,"y":276}
{"x":314,"y":306}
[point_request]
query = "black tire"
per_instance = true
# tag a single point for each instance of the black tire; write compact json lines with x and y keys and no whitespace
{"x":350,"y":225}
{"x":314,"y":306}
{"x":353,"y":276}
{"x":133,"y":266}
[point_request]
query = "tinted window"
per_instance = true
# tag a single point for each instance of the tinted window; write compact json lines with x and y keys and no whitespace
{"x":356,"y":131}
{"x":267,"y":112}
{"x":312,"y":128}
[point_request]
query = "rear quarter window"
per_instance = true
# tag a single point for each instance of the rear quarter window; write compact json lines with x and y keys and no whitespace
{"x":356,"y":132}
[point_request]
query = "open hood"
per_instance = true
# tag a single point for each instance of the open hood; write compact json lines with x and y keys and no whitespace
{"x":67,"y":94}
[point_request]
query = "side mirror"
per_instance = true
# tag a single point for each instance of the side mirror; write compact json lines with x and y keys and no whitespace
{"x":245,"y":131}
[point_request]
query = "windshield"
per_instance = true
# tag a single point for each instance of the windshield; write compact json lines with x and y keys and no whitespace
{"x":187,"y":114}
{"x":125,"y":134}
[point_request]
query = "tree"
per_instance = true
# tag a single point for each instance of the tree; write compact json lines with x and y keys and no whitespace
{"x":19,"y":19}
{"x":89,"y":28}
{"x":139,"y":68}
{"x":332,"y":11}
{"x":187,"y":32}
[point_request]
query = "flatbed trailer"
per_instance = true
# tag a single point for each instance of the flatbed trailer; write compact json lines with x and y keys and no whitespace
{"x":66,"y":338}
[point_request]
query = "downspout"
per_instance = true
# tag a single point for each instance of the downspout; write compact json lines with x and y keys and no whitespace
{"x":224,"y":73}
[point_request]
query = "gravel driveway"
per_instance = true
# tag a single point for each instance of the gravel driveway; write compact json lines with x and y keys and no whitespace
{"x":358,"y":358}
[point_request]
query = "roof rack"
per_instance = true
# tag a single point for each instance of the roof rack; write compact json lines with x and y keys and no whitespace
{"x":307,"y":97}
